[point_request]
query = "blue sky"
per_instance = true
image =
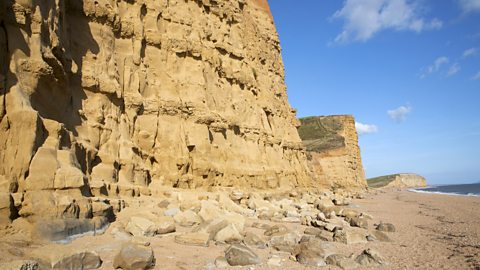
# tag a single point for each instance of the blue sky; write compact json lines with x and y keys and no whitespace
{"x":408,"y":70}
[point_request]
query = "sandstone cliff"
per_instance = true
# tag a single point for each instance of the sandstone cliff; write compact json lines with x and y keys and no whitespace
{"x":116,"y":98}
{"x":401,"y":180}
{"x":334,"y":154}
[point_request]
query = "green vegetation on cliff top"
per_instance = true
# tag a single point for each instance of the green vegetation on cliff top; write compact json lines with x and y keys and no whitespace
{"x":381,"y":181}
{"x":321,"y":133}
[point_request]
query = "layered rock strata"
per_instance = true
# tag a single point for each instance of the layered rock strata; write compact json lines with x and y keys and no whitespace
{"x":116,"y":98}
{"x":333,"y":151}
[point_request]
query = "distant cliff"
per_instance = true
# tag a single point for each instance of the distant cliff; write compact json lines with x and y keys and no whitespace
{"x":400,"y":180}
{"x":333,"y":151}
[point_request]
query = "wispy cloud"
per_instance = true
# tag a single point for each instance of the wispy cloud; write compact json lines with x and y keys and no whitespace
{"x":365,"y":128}
{"x":469,"y":5}
{"x":437,"y":64}
{"x":364,"y":18}
{"x":399,"y":114}
{"x":454,"y":69}
{"x":476,"y":77}
{"x":470,"y":52}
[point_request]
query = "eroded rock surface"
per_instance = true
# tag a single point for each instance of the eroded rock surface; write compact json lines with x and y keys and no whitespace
{"x":117,"y":98}
{"x":333,"y":151}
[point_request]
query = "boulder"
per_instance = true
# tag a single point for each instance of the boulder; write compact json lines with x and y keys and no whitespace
{"x":170,"y":212}
{"x":325,"y":236}
{"x":253,"y":240}
{"x":349,"y":237}
{"x":165,"y":225}
{"x":261,"y":226}
{"x":257,"y":203}
{"x":134,"y":257}
{"x":341,"y":201}
{"x":193,"y":239}
{"x":210,"y":210}
{"x":139,"y":226}
{"x":60,"y":258}
{"x":386,"y":227}
{"x":241,"y":255}
{"x":312,"y":231}
{"x":286,"y":242}
{"x":311,"y":253}
{"x":348,"y":213}
{"x":187,"y":218}
{"x":236,"y":223}
{"x":20,"y":265}
{"x":359,"y":222}
{"x":370,"y":256}
{"x":276,"y":230}
{"x":228,"y":234}
{"x":324,"y":205}
{"x":227,"y":204}
{"x":341,"y":261}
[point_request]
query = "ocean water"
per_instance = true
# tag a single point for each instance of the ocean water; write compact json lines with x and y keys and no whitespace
{"x":462,"y":189}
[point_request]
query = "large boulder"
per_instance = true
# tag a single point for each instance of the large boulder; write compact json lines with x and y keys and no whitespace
{"x":359,"y":222}
{"x":286,"y":242}
{"x":187,"y":218}
{"x":253,"y":240}
{"x":134,"y":257}
{"x":165,"y":225}
{"x":61,"y":258}
{"x":341,"y":261}
{"x":139,"y":226}
{"x":276,"y":230}
{"x":210,"y":210}
{"x":241,"y":255}
{"x":369,"y":257}
{"x":349,"y":236}
{"x":229,"y":234}
{"x":20,"y":265}
{"x":193,"y":239}
{"x":227,"y":204}
{"x":311,"y":253}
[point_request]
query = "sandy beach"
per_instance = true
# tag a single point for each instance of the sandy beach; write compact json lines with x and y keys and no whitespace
{"x":433,"y":231}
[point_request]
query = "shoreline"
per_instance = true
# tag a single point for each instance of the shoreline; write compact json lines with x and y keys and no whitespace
{"x":442,"y":193}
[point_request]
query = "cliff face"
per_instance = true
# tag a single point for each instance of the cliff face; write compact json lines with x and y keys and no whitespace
{"x":401,"y":180}
{"x":334,"y":154}
{"x":113,"y":97}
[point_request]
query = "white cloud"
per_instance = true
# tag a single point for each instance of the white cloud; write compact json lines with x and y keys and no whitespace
{"x":470,"y":52}
{"x":439,"y":62}
{"x":399,"y":114}
{"x":364,"y":18}
{"x":470,"y":5}
{"x":476,"y":77}
{"x":454,"y":69}
{"x":365,"y":128}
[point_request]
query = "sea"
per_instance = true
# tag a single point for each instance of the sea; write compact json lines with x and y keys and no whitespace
{"x":460,"y":189}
